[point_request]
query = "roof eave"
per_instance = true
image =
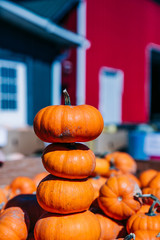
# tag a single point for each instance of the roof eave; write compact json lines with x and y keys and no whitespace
{"x":40,"y":26}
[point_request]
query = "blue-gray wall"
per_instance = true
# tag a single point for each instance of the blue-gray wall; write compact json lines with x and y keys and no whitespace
{"x":38,"y":54}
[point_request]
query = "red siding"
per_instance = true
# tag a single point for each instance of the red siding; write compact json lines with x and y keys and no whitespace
{"x":119,"y":32}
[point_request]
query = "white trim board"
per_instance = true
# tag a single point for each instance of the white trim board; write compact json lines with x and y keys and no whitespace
{"x":81,"y":55}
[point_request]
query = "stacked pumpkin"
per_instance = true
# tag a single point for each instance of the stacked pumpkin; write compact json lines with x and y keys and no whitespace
{"x":66,"y":194}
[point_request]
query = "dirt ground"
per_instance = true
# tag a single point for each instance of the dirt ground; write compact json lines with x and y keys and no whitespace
{"x":25,"y":167}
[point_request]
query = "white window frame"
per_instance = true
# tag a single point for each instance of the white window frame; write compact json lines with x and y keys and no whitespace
{"x":16,"y":117}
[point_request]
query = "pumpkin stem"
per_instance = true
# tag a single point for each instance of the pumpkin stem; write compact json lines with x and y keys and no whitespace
{"x":66,"y":97}
{"x":1,"y":205}
{"x":112,"y":164}
{"x":155,"y":199}
{"x":151,"y":209}
{"x":130,"y":236}
{"x":158,"y":235}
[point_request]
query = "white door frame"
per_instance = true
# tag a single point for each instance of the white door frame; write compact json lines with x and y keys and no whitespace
{"x":114,"y":102}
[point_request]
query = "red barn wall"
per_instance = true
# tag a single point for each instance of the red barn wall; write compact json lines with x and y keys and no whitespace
{"x":119,"y":32}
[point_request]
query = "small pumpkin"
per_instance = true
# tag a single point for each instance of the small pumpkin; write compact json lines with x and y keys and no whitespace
{"x":73,"y":161}
{"x":144,"y":221}
{"x":134,"y":178}
{"x":113,"y":170}
{"x":66,"y":123}
{"x":110,"y":229}
{"x":155,"y":182}
{"x":22,"y":185}
{"x":14,"y":224}
{"x":146,"y":235}
{"x":146,"y":176}
{"x":84,"y":225}
{"x":123,"y":161}
{"x":64,"y":196}
{"x":117,"y":197}
{"x":3,"y":197}
{"x":28,"y":203}
{"x":101,"y":168}
{"x":97,"y":182}
{"x":7,"y":191}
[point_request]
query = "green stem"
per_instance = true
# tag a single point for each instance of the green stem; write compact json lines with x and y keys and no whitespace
{"x":1,"y":205}
{"x":155,"y":201}
{"x":66,"y":97}
{"x":130,"y":236}
{"x":158,"y":235}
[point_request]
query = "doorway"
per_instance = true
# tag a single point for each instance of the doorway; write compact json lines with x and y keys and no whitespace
{"x":154,"y":85}
{"x":110,"y":95}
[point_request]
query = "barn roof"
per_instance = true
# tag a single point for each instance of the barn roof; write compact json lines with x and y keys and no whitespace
{"x":40,"y":25}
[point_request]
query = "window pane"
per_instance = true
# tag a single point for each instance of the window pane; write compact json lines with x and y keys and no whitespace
{"x":12,"y":73}
{"x":4,"y":104}
{"x":4,"y":72}
{"x":12,"y":104}
{"x":12,"y":88}
{"x":4,"y":88}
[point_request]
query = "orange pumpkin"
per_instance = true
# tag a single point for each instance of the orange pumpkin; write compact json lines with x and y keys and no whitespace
{"x":84,"y":225}
{"x":64,"y":196}
{"x":97,"y":183}
{"x":22,"y":185}
{"x":113,"y":170}
{"x":3,"y":197}
{"x":134,"y":178}
{"x":144,"y":221}
{"x":28,"y":203}
{"x":14,"y":224}
{"x":38,"y":177}
{"x":117,"y":197}
{"x":110,"y":229}
{"x":146,"y":235}
{"x":141,"y":235}
{"x":73,"y":161}
{"x":102,"y":167}
{"x":146,"y":176}
{"x":155,"y":182}
{"x":7,"y":192}
{"x":65,"y":123}
{"x":122,"y":161}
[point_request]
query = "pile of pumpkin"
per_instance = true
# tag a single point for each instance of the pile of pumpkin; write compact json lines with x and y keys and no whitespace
{"x":83,"y":196}
{"x":124,"y":203}
{"x":116,"y":203}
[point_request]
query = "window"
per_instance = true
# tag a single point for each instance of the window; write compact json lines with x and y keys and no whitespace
{"x":8,"y":88}
{"x":13,"y":93}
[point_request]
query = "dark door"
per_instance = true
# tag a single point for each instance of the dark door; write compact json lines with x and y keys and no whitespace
{"x":155,"y":86}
